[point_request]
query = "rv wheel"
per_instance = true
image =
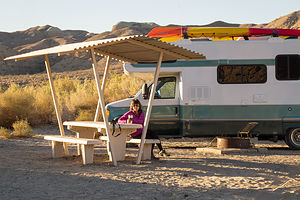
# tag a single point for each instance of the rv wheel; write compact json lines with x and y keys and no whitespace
{"x":292,"y":138}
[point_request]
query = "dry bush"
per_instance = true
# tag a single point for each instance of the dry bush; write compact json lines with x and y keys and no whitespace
{"x":65,"y":86}
{"x":120,"y":86}
{"x":15,"y":103}
{"x":1,"y":89}
{"x":34,"y":104}
{"x":43,"y":106}
{"x":5,"y":133}
{"x":83,"y":97}
{"x":85,"y":115}
{"x":82,"y":100}
{"x":22,"y":129}
{"x":77,"y":99}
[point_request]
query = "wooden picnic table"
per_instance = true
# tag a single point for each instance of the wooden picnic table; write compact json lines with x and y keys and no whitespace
{"x":90,"y":129}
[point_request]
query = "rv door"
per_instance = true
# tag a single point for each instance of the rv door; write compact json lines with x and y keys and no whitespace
{"x":165,"y":111}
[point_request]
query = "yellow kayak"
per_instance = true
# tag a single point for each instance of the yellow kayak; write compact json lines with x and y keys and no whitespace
{"x":169,"y":34}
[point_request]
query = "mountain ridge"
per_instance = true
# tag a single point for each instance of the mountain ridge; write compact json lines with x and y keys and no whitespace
{"x":46,"y":36}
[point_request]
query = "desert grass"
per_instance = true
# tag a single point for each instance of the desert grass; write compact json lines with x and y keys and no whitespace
{"x":16,"y":103}
{"x":77,"y":99}
{"x":5,"y":133}
{"x":22,"y":129}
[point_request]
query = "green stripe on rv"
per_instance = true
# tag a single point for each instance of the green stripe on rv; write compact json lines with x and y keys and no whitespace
{"x":198,"y":63}
{"x":267,"y":112}
{"x":224,"y":112}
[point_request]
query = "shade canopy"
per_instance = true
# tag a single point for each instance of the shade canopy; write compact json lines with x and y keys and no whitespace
{"x":138,"y":48}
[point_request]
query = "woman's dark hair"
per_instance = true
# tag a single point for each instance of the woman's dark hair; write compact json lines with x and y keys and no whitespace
{"x":134,"y":102}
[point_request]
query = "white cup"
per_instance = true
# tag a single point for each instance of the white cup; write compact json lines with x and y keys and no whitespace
{"x":130,"y":117}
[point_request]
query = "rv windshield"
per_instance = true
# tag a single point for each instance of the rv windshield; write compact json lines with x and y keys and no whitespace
{"x":165,"y":88}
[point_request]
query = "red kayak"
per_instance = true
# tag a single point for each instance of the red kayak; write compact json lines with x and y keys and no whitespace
{"x":219,"y":32}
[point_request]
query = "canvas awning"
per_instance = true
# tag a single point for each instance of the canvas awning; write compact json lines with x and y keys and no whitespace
{"x":128,"y":49}
{"x":132,"y":49}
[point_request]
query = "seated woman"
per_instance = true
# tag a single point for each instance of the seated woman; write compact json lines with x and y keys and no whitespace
{"x":136,"y":116}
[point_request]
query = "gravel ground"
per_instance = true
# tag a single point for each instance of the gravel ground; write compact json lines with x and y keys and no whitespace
{"x":27,"y":171}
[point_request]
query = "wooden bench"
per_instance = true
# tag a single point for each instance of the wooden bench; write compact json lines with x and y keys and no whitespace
{"x":147,"y":146}
{"x":87,"y":146}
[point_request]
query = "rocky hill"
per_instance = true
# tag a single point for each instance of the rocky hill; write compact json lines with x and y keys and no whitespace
{"x":41,"y":37}
{"x":125,"y":29}
{"x":48,"y":36}
{"x":290,"y":21}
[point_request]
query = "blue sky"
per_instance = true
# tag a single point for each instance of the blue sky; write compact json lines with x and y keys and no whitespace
{"x":98,"y":16}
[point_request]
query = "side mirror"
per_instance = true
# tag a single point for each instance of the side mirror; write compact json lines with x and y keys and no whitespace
{"x":145,"y":91}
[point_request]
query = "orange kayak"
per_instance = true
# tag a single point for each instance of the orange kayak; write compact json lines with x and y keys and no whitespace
{"x":219,"y":32}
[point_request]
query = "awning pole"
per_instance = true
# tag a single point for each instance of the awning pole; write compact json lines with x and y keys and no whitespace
{"x":148,"y":113}
{"x":97,"y":114}
{"x":54,"y":97}
{"x":102,"y":104}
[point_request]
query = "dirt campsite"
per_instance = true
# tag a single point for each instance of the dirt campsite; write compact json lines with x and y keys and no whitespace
{"x":29,"y":172}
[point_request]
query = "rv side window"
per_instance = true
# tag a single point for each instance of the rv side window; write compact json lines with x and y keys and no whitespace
{"x":287,"y":67}
{"x":165,"y":89}
{"x":241,"y":74}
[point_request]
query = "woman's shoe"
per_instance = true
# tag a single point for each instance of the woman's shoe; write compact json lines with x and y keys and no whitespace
{"x":163,"y":153}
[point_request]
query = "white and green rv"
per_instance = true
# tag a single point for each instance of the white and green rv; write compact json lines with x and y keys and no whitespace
{"x":238,"y":82}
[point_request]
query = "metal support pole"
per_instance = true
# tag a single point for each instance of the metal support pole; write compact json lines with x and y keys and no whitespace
{"x":148,"y":113}
{"x":97,"y":114}
{"x":54,"y":97}
{"x":102,"y":104}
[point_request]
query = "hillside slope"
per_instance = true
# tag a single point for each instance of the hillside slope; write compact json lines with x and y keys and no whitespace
{"x":41,"y":37}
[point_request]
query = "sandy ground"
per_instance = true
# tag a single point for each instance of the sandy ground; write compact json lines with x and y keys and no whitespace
{"x":27,"y":171}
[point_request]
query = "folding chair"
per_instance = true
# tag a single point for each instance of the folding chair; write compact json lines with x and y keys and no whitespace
{"x":247,"y":129}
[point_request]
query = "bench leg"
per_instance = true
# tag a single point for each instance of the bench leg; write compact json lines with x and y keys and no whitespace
{"x":147,"y":152}
{"x":87,"y":154}
{"x":82,"y":132}
{"x":78,"y":149}
{"x":57,"y":149}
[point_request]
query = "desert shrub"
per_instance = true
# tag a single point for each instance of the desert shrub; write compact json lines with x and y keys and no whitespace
{"x":43,"y":106}
{"x":1,"y":89}
{"x":77,"y":99}
{"x":15,"y":103}
{"x":22,"y":129}
{"x":85,"y":115}
{"x":65,"y":86}
{"x":120,"y":86}
{"x":5,"y":133}
{"x":83,"y":97}
{"x":82,"y":100}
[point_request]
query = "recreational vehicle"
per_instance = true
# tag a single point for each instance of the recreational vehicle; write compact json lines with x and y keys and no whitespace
{"x":238,"y":82}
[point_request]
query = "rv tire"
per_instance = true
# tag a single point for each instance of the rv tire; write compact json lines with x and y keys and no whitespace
{"x":292,"y":138}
